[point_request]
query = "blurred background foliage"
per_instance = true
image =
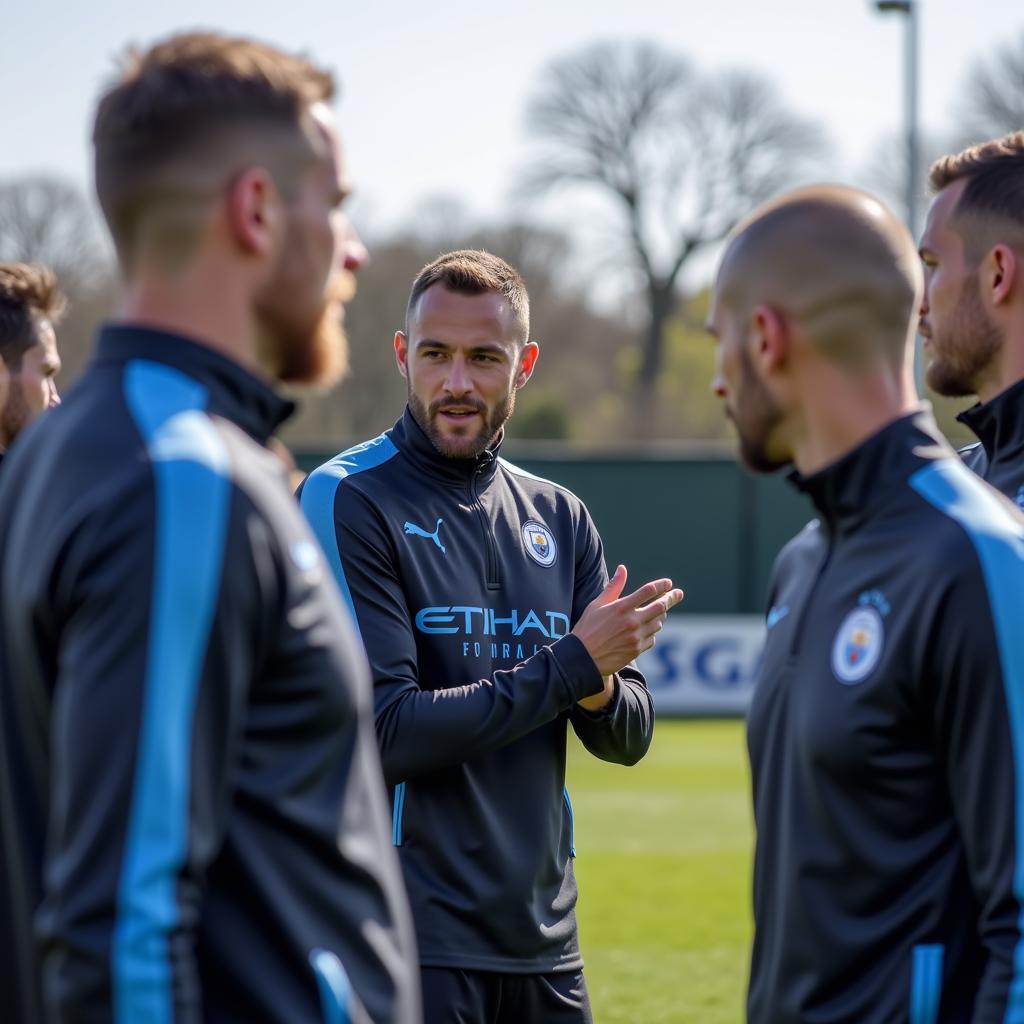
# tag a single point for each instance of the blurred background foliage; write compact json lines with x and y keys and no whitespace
{"x":671,"y":159}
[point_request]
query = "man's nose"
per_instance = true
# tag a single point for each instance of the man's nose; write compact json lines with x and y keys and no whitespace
{"x":458,"y":382}
{"x":354,"y":254}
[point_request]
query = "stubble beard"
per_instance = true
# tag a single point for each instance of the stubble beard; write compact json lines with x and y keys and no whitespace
{"x":965,"y":347}
{"x":461,"y":448}
{"x":15,"y":414}
{"x":759,"y":416}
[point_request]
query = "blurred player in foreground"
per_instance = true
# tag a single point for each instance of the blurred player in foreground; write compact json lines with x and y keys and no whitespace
{"x":972,"y":317}
{"x":30,"y":307}
{"x":491,"y":625}
{"x":886,"y":728}
{"x":194,"y":820}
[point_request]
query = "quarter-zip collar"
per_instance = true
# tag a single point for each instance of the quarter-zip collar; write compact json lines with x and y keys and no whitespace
{"x":235,"y":393}
{"x":999,"y":423}
{"x":854,"y":487}
{"x":410,"y":438}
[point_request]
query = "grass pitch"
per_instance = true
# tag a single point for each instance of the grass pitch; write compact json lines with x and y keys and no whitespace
{"x":663,"y":864}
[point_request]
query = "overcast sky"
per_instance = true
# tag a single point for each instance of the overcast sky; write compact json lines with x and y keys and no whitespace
{"x":434,"y":93}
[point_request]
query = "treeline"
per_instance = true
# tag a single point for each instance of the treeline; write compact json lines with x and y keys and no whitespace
{"x":585,"y":388}
{"x":670,"y":157}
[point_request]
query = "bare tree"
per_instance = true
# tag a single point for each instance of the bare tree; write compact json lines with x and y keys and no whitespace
{"x":681,"y":157}
{"x":47,"y":220}
{"x":994,"y":94}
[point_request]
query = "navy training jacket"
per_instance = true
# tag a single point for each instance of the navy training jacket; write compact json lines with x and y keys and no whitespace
{"x":998,"y":456}
{"x":886,"y":738}
{"x":193,"y":821}
{"x":465,"y":577}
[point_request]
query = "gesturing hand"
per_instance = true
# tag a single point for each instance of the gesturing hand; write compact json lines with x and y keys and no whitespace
{"x":615,"y":629}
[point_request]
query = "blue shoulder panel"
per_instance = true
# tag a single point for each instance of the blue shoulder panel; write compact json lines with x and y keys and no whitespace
{"x":193,"y":492}
{"x":519,"y":471}
{"x":998,"y":539}
{"x":319,"y":493}
{"x":335,"y":988}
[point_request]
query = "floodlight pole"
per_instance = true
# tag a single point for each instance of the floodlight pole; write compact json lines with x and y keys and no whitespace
{"x":913,"y":184}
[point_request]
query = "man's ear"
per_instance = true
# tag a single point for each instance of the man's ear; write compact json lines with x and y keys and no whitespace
{"x":402,"y":353}
{"x":999,"y":274}
{"x":254,"y":211}
{"x":769,"y":339}
{"x":527,"y":361}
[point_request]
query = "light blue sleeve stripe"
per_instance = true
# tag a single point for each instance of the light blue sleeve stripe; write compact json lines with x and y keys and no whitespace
{"x":926,"y":984}
{"x":335,"y":989}
{"x":998,"y":539}
{"x":193,"y":491}
{"x":320,"y":490}
{"x":318,"y":498}
{"x":397,"y":812}
{"x":572,"y":822}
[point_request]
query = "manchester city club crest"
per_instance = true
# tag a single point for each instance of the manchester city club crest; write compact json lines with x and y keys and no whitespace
{"x":540,"y":545}
{"x":858,"y":645}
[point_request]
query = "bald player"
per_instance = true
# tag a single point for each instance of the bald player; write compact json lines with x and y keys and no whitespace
{"x":886,"y":723}
{"x":972,"y":317}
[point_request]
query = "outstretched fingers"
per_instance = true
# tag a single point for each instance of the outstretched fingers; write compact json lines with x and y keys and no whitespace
{"x":660,"y":607}
{"x":645,"y":594}
{"x":651,"y":617}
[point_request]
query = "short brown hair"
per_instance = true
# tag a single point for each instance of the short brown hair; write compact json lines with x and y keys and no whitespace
{"x":995,"y":179}
{"x":28,"y":294}
{"x":180,"y":112}
{"x":474,"y":272}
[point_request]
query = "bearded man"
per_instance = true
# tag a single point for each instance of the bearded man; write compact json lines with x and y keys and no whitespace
{"x":31,"y":305}
{"x":491,"y":626}
{"x":194,"y":822}
{"x":972,"y":316}
{"x":885,"y":728}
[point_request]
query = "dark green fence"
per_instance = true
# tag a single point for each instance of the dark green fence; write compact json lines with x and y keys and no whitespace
{"x":685,"y":512}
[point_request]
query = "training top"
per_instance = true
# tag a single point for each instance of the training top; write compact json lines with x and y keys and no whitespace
{"x":193,"y":818}
{"x":465,"y":577}
{"x":886,"y":737}
{"x":998,"y":455}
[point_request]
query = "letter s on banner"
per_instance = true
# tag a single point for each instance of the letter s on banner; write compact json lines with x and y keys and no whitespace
{"x":704,"y":664}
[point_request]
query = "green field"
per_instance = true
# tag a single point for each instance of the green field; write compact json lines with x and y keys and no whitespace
{"x":663,"y":863}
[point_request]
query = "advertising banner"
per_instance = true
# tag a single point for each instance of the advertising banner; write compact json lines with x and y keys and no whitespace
{"x":704,"y":664}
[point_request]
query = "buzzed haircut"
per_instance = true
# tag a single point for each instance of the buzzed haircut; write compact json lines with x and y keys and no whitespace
{"x":994,"y":189}
{"x":189,"y":114}
{"x":474,"y":272}
{"x":28,"y":295}
{"x":838,"y":261}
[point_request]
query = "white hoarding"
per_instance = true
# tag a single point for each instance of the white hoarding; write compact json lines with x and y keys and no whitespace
{"x":704,"y":664}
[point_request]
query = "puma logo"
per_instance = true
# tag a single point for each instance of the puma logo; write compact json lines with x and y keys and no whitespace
{"x":418,"y":531}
